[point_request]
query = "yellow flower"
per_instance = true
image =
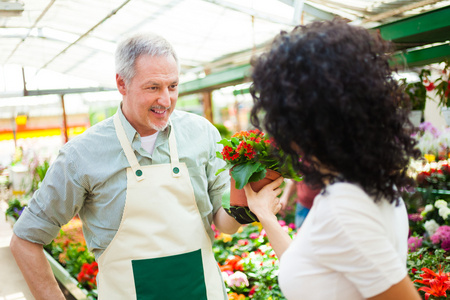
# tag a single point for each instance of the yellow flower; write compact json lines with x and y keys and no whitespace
{"x":430,"y":157}
{"x":235,"y":296}
{"x":240,"y":229}
{"x":226,"y":237}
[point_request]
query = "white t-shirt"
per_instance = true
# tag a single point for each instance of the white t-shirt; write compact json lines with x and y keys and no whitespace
{"x":148,"y":142}
{"x":349,"y":247}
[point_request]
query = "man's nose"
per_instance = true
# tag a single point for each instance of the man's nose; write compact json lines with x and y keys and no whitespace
{"x":164,"y":98}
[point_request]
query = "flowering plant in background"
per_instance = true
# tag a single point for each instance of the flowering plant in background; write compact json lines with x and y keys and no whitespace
{"x":16,"y":207}
{"x":433,"y":142}
{"x":248,"y":154}
{"x":248,"y":263}
{"x":88,"y":274}
{"x":435,"y":175}
{"x":434,"y":284}
{"x":69,"y":249}
{"x":417,"y":91}
{"x":429,"y":270}
{"x":442,"y":86}
{"x":436,"y":214}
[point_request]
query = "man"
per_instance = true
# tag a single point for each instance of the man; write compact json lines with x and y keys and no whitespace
{"x":144,"y":185}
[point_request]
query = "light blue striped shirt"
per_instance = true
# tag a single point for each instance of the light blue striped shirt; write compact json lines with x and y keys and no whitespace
{"x":89,"y":178}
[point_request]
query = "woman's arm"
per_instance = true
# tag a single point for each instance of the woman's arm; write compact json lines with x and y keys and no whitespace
{"x":404,"y":290}
{"x":265,"y":205}
{"x":288,"y":191}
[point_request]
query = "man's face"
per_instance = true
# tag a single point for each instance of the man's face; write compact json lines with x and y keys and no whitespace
{"x":150,"y":97}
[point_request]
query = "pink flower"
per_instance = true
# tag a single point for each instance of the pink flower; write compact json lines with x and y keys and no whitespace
{"x":237,"y":279}
{"x":282,"y":222}
{"x":292,"y":226}
{"x":441,"y":234}
{"x":253,"y":236}
{"x":243,"y":242}
{"x":414,"y":243}
{"x":446,"y":245}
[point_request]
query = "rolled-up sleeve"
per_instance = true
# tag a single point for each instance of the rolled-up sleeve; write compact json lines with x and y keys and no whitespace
{"x":57,"y":201}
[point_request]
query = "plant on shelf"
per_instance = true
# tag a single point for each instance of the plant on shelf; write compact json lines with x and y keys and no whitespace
{"x":417,"y":91}
{"x":442,"y":86}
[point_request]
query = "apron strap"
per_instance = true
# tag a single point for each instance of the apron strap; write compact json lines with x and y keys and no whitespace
{"x":129,"y":153}
{"x":132,"y":160}
{"x":175,"y":164}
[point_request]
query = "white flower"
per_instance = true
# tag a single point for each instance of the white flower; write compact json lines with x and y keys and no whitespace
{"x":428,"y":208}
{"x":431,"y":226}
{"x":440,"y":203}
{"x":444,"y":212}
{"x":225,"y":276}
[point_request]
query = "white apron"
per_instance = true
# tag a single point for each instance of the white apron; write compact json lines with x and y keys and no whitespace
{"x":161,"y":249}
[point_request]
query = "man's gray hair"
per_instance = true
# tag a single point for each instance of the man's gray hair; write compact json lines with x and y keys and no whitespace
{"x":132,"y":47}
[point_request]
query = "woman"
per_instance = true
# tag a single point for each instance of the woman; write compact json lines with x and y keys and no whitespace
{"x":325,"y":93}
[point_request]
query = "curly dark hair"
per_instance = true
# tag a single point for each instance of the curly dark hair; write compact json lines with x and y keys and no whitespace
{"x":325,"y":92}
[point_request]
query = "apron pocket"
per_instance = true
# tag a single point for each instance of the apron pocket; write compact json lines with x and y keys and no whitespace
{"x":172,"y":277}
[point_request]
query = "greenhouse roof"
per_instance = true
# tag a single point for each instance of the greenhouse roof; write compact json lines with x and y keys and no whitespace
{"x":78,"y":37}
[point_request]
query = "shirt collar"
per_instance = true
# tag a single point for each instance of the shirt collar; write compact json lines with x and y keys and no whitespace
{"x":130,"y":132}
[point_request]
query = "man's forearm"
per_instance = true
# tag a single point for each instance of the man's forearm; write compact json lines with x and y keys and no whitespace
{"x":35,"y":268}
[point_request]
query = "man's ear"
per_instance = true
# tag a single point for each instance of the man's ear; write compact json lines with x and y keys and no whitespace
{"x":121,"y":84}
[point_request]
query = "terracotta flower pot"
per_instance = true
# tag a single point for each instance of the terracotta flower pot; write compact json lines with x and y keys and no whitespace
{"x":238,"y":198}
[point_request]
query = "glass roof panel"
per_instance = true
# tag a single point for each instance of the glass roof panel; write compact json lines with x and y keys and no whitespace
{"x":78,"y":37}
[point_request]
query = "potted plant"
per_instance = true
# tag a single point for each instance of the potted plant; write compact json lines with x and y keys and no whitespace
{"x":442,"y":87}
{"x":250,"y":156}
{"x":417,"y":92}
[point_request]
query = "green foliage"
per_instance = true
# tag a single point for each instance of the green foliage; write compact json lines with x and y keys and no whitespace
{"x":38,"y":173}
{"x":223,"y":130}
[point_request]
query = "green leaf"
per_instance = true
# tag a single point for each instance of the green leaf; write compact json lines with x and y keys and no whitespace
{"x":258,"y":175}
{"x":225,"y":142}
{"x":235,"y":141}
{"x":241,"y":173}
{"x":220,"y":171}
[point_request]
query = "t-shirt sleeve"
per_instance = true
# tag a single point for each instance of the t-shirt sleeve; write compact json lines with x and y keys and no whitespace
{"x":351,"y":240}
{"x":54,"y":204}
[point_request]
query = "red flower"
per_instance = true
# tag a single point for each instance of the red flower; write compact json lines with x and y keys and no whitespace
{"x":88,"y":273}
{"x":430,"y":87}
{"x":437,"y":284}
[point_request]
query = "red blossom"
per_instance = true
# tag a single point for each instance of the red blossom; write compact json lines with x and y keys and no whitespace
{"x":430,"y":87}
{"x":436,"y":284}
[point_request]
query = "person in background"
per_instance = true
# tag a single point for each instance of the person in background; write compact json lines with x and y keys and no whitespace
{"x":143,"y":183}
{"x":328,"y":96}
{"x":304,"y":197}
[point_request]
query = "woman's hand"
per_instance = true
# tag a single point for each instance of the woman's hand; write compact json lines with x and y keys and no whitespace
{"x":265,"y":203}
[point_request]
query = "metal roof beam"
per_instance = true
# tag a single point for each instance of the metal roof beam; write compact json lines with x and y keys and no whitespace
{"x":216,"y":80}
{"x":399,"y":10}
{"x":311,"y":10}
{"x":55,"y":92}
{"x":253,"y":12}
{"x":422,"y":57}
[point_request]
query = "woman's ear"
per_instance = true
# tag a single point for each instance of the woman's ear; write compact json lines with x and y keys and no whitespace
{"x":121,"y":86}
